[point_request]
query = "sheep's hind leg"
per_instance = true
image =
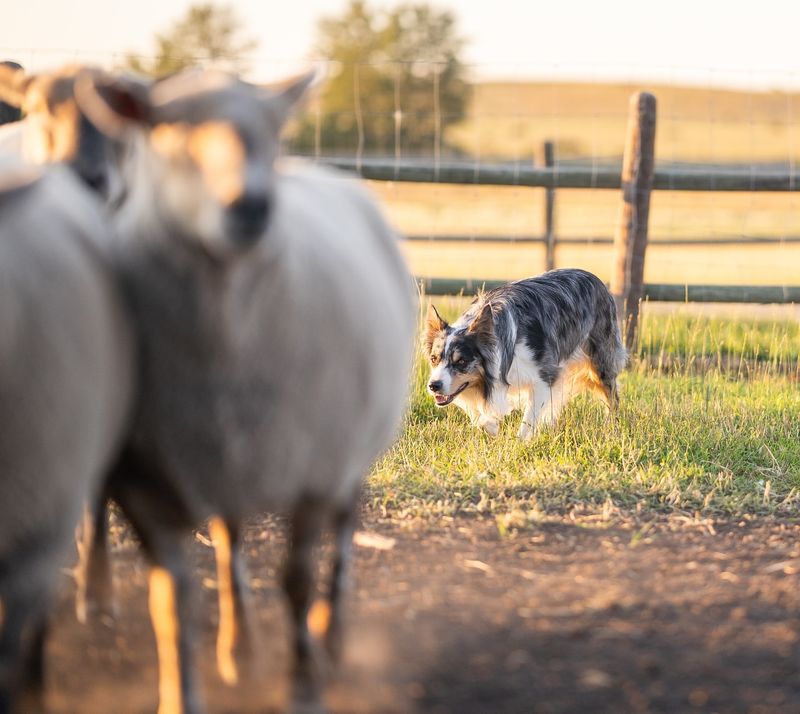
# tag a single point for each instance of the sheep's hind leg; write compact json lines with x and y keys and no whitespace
{"x":95,"y":593}
{"x":298,"y":584}
{"x":235,"y":631}
{"x":23,"y":628}
{"x":344,"y":524}
{"x":163,"y":528}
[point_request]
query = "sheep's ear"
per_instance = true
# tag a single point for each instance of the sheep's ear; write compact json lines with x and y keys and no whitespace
{"x":115,"y":105}
{"x":434,"y":324}
{"x":280,"y":100}
{"x":13,"y":84}
{"x":483,"y":323}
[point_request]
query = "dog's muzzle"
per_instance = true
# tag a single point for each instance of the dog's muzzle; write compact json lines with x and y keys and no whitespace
{"x":442,"y":400}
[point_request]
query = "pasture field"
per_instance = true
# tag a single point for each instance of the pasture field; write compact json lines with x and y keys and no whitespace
{"x":709,"y":420}
{"x":643,"y":563}
{"x":430,"y":210}
{"x":509,"y":121}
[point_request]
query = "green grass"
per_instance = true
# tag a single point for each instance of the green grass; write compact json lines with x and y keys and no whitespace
{"x":717,"y":431}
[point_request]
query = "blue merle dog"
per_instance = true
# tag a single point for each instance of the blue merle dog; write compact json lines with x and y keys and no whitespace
{"x":531,"y":345}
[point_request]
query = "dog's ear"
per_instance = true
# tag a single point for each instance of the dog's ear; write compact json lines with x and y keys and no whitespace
{"x":482,"y":325}
{"x":434,"y":324}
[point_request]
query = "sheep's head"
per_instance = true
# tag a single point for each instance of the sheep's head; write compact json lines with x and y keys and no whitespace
{"x":206,"y":161}
{"x":55,"y":130}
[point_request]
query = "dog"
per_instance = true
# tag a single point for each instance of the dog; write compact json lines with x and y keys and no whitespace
{"x":532,"y":345}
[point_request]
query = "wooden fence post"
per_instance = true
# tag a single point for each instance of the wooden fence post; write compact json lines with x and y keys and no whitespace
{"x":630,"y":241}
{"x":549,"y":204}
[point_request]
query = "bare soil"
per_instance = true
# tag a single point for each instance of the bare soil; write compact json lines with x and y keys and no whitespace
{"x":579,"y":614}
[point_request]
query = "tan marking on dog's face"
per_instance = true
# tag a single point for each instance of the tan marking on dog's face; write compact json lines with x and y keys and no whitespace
{"x":437,"y":349}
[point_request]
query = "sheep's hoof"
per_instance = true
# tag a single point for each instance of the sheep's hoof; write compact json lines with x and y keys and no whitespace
{"x":306,"y":697}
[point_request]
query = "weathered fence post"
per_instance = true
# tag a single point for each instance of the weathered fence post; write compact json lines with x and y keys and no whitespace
{"x":7,"y":112}
{"x":549,"y":204}
{"x":630,"y":241}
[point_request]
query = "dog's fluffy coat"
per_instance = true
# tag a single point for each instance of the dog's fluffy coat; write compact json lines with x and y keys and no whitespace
{"x":532,"y":344}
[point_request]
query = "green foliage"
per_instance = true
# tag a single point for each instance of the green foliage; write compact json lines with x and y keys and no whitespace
{"x":395,"y":81}
{"x":719,"y":439}
{"x":207,"y":33}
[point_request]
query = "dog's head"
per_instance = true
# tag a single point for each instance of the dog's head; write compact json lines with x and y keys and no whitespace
{"x":457,"y":354}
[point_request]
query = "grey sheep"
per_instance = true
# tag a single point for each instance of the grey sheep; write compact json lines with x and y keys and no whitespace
{"x":66,"y":381}
{"x":277,"y":321}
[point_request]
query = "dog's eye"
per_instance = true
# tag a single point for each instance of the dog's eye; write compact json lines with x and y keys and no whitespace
{"x":434,"y":359}
{"x":461,"y":362}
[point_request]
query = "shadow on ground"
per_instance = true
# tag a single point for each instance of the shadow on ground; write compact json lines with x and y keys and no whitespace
{"x":668,"y":615}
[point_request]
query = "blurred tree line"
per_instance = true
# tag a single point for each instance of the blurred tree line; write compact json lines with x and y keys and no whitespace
{"x":206,"y":34}
{"x":395,"y":80}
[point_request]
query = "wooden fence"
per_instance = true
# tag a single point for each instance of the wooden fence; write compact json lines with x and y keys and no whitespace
{"x":638,"y":177}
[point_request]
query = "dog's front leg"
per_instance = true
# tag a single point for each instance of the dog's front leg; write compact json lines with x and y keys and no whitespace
{"x":529,"y":421}
{"x":543,"y":409}
{"x":489,"y":424}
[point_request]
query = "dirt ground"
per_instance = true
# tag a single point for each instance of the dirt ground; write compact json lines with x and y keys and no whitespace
{"x":663,"y":614}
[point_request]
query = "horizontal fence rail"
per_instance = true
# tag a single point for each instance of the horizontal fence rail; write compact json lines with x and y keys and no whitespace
{"x":653,"y":292}
{"x":672,"y":178}
{"x":596,"y":240}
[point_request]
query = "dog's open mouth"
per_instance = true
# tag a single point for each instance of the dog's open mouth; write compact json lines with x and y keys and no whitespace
{"x":442,"y":400}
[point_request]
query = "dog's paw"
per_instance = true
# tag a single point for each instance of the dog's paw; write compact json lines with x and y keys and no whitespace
{"x":489,"y":425}
{"x":525,"y":432}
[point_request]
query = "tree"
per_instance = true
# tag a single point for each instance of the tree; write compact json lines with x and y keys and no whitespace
{"x":208,"y":33}
{"x":396,"y":80}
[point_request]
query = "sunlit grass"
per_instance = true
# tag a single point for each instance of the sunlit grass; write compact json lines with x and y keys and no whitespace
{"x":717,"y":431}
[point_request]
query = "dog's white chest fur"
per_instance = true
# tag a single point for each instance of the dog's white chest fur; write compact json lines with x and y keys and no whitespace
{"x":526,"y":391}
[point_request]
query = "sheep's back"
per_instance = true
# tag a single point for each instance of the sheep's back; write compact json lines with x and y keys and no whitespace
{"x":65,"y":358}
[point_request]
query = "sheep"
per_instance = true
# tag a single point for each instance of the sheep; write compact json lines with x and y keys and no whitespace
{"x":55,"y":130}
{"x":66,"y":394}
{"x":277,"y":321}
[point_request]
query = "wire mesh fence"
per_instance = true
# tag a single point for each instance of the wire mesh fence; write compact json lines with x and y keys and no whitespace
{"x":398,"y":115}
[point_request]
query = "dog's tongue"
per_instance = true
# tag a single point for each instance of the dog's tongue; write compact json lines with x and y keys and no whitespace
{"x":441,"y":398}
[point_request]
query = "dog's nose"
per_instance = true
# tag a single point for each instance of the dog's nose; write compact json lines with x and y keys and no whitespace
{"x":435,"y":385}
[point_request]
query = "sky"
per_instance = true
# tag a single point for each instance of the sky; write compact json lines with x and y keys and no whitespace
{"x":701,"y":42}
